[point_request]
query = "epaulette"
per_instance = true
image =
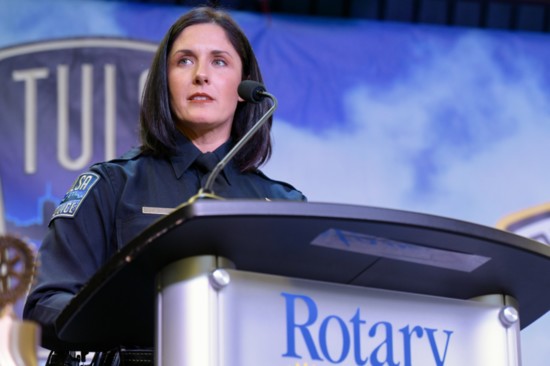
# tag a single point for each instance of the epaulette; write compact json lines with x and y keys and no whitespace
{"x":288,"y":185}
{"x":131,"y":154}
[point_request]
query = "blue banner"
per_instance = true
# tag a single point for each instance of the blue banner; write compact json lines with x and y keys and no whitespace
{"x":443,"y":120}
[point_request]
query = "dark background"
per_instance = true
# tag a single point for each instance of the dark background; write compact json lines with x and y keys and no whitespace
{"x":524,"y":15}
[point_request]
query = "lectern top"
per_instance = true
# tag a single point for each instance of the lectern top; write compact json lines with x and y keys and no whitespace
{"x":345,"y":244}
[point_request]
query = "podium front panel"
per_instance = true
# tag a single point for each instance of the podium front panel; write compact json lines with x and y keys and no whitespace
{"x":258,"y":319}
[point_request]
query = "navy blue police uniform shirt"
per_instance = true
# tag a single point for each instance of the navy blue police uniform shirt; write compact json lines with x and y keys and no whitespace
{"x":107,"y":207}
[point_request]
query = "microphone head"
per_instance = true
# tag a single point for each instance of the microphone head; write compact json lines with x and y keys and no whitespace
{"x":251,"y":91}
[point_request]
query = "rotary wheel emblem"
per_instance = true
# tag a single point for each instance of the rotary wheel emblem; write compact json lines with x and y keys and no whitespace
{"x":16,"y":269}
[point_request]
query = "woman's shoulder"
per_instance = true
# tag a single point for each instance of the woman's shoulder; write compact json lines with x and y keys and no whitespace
{"x":132,"y":158}
{"x":280,"y":189}
{"x":134,"y":154}
{"x":129,"y":165}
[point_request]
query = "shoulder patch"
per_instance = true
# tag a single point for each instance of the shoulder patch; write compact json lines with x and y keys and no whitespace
{"x":75,"y":196}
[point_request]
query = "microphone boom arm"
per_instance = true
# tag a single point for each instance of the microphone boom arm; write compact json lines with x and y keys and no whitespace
{"x":207,"y":189}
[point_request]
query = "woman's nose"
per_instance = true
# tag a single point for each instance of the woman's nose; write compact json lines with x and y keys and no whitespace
{"x":201,"y":79}
{"x":201,"y":76}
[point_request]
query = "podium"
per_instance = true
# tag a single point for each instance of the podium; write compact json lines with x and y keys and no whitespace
{"x":293,"y":283}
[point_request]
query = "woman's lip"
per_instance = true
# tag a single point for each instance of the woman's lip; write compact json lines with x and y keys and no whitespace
{"x":200,"y":97}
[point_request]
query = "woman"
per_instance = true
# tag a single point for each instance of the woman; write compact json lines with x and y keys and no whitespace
{"x":190,"y":110}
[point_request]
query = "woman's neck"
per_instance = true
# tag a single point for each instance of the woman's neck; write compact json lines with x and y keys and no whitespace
{"x":206,"y":140}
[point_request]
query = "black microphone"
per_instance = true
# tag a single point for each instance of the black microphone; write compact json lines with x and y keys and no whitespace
{"x":253,"y":92}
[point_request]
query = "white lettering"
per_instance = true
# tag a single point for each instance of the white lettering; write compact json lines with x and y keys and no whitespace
{"x":73,"y":153}
{"x":83,"y":182}
{"x":30,"y":77}
{"x":63,"y":118}
{"x":110,"y":111}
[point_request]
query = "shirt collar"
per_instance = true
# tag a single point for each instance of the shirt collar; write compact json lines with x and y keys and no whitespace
{"x":187,"y":152}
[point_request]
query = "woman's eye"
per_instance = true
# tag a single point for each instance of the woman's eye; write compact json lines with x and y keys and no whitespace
{"x":220,"y":62}
{"x":185,"y":61}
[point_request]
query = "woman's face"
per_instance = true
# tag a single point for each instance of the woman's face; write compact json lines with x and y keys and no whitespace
{"x":204,"y":72}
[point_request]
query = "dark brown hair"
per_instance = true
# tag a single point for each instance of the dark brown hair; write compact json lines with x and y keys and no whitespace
{"x":158,"y":130}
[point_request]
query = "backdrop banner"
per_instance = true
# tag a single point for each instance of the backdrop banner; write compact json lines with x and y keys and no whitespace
{"x":447,"y":121}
